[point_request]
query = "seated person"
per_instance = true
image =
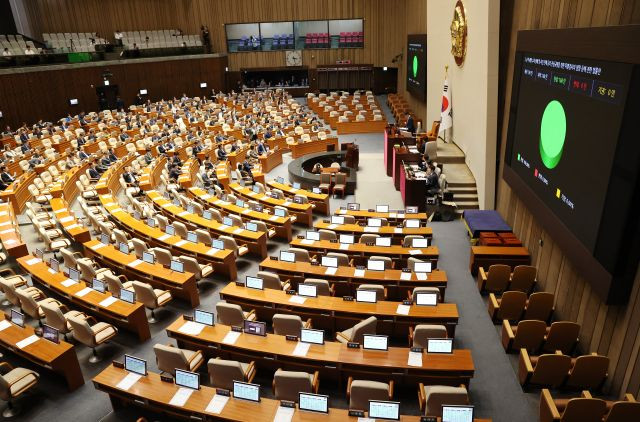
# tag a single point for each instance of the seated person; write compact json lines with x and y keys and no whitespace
{"x":432,"y":180}
{"x":245,"y":172}
{"x":220,"y":153}
{"x":317,"y":168}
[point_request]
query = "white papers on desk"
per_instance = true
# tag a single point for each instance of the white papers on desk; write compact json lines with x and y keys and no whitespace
{"x":301,"y":349}
{"x":217,"y":404}
{"x":403,"y":309}
{"x":223,"y":227}
{"x":166,"y":205}
{"x":60,"y":210}
{"x":213,"y":251}
{"x":286,"y":203}
{"x":68,"y":282}
{"x":415,"y":251}
{"x":284,"y":414}
{"x":219,"y":202}
{"x":27,"y":341}
{"x":83,"y":292}
{"x":341,"y":211}
{"x":332,"y":226}
{"x":3,"y":213}
{"x":72,"y":226}
{"x":400,"y":215}
{"x":6,"y":223}
{"x":33,"y":261}
{"x":397,"y":230}
{"x":205,"y":196}
{"x":108,"y":301}
{"x":330,"y":271}
{"x":7,"y":231}
{"x":366,"y":420}
{"x":164,"y":237}
{"x":392,"y":215}
{"x":245,"y":211}
{"x":10,"y":241}
{"x":421,"y":276}
{"x":238,"y":230}
{"x":273,"y":218}
{"x":358,"y":273}
{"x":191,"y":327}
{"x":98,"y":246}
{"x":307,"y":242}
{"x":344,"y":246}
{"x":180,"y":242}
{"x":127,"y":382}
{"x":297,"y":299}
{"x":109,"y":204}
{"x":415,"y":359}
{"x":181,"y":396}
{"x":116,"y":210}
{"x":67,"y":218}
{"x":4,"y":324}
{"x":135,"y":263}
{"x":371,"y":229}
{"x":231,"y":337}
{"x":52,"y":271}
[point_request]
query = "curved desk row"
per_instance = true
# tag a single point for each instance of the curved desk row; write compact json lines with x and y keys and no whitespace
{"x":303,"y":212}
{"x":67,"y":219}
{"x":396,"y":233}
{"x":10,"y":233}
{"x":392,"y":217}
{"x":320,"y":200}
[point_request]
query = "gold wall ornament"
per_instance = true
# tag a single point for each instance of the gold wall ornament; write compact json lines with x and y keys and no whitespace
{"x":459,"y":33}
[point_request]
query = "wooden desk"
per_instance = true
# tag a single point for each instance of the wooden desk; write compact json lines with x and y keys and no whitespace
{"x":150,"y":176}
{"x":271,"y":160}
{"x":330,"y":170}
{"x":360,"y":252}
{"x":129,"y":316}
{"x":223,"y":260}
{"x":256,"y":242}
{"x":189,"y":169}
{"x":391,"y":139}
{"x":17,"y":194}
{"x":485,"y":256}
{"x":366,"y":126}
{"x":303,"y":212}
{"x":151,"y":393}
{"x":299,"y":149}
{"x":398,"y":216}
{"x":400,"y":155}
{"x":182,"y":285}
{"x":348,"y":282}
{"x":413,"y":190}
{"x":109,"y":182}
{"x":320,"y":200}
{"x":281,"y":225}
{"x":333,"y":314}
{"x":60,"y":358}
{"x":397,"y":234}
{"x":10,"y":233}
{"x":333,"y":360}
{"x":67,"y":219}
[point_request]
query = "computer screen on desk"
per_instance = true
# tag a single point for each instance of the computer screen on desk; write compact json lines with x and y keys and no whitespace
{"x":17,"y":318}
{"x":135,"y":365}
{"x":374,"y":222}
{"x":347,"y":239}
{"x":190,"y":208}
{"x":217,"y":244}
{"x":227,"y":221}
{"x":151,"y":222}
{"x":375,"y":265}
{"x":170,"y":230}
{"x":98,"y":285}
{"x":240,"y":203}
{"x":280,"y":180}
{"x":308,"y":290}
{"x":329,"y":261}
{"x":383,"y":241}
{"x":412,"y":224}
{"x":246,"y":391}
{"x":375,"y":342}
{"x":440,"y":345}
{"x":104,"y":238}
{"x":279,"y":212}
{"x":254,"y":283}
{"x":50,"y":333}
{"x":192,"y":237}
{"x":255,"y":189}
{"x":384,"y":410}
{"x":316,"y":190}
{"x":287,"y":256}
{"x":124,"y":248}
{"x":337,"y":219}
{"x":367,"y":296}
{"x":148,"y":257}
{"x":252,"y":227}
{"x":296,"y":185}
{"x":452,"y":413}
{"x":206,"y":214}
{"x":39,"y":254}
{"x":73,"y":273}
{"x":426,"y":298}
{"x":203,"y":317}
{"x":255,"y":327}
{"x":128,"y":296}
{"x":411,"y":210}
{"x":188,"y":379}
{"x":313,"y":336}
{"x":353,"y":206}
{"x":382,"y":208}
{"x":314,"y":402}
{"x":422,"y":267}
{"x":420,"y":243}
{"x":177,"y":266}
{"x":313,"y":235}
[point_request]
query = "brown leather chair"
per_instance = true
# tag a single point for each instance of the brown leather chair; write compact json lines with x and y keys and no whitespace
{"x":381,"y":291}
{"x":523,"y":278}
{"x":359,"y":392}
{"x":325,"y":182}
{"x":588,"y":372}
{"x":151,"y":298}
{"x":232,"y":314}
{"x":579,"y":409}
{"x":285,"y":324}
{"x":495,"y":280}
{"x":528,"y":334}
{"x":222,"y":372}
{"x":419,"y":335}
{"x":288,"y":384}
{"x":340,"y":185}
{"x":563,"y":336}
{"x":539,"y":306}
{"x":14,"y":383}
{"x":510,"y":306}
{"x":548,"y":370}
{"x":356,"y":333}
{"x":323,"y":288}
{"x":624,"y":410}
{"x":92,"y":335}
{"x":169,"y":358}
{"x":433,"y":397}
{"x":272,"y":281}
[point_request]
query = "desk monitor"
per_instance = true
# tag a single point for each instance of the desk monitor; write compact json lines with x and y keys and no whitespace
{"x":374,"y":222}
{"x":151,"y":222}
{"x":128,"y":296}
{"x":148,"y":257}
{"x":383,"y":241}
{"x":367,"y":296}
{"x":412,"y":223}
{"x":420,"y":243}
{"x":124,"y":248}
{"x":246,"y":391}
{"x":287,"y":256}
{"x":239,"y":203}
{"x":280,"y":180}
{"x":313,"y":336}
{"x":54,"y":265}
{"x":170,"y":230}
{"x":217,"y":244}
{"x":188,"y":379}
{"x":312,"y":235}
{"x":255,"y":189}
{"x":337,"y":219}
{"x":254,"y":283}
{"x":206,"y":214}
{"x":252,"y":227}
{"x":17,"y":318}
{"x":298,"y":199}
{"x":50,"y":333}
{"x":135,"y":365}
{"x":353,"y":206}
{"x":227,"y":221}
{"x":451,"y":413}
{"x":389,"y":410}
{"x":98,"y":285}
{"x":426,"y":299}
{"x":347,"y":239}
{"x":176,"y":202}
{"x":313,"y":402}
{"x":307,"y":290}
{"x":176,"y":266}
{"x":203,"y":317}
{"x":274,"y":194}
{"x":316,"y":190}
{"x":329,"y":261}
{"x":104,"y":239}
{"x":279,"y":212}
{"x":411,"y":210}
{"x":422,"y":267}
{"x":375,"y":342}
{"x":382,"y":208}
{"x":136,"y":215}
{"x":440,"y":345}
{"x":255,"y":327}
{"x":190,"y":209}
{"x":375,"y":265}
{"x":296,"y":185}
{"x":73,"y":274}
{"x":39,"y":254}
{"x":192,"y":237}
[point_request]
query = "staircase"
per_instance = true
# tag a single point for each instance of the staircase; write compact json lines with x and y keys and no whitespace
{"x":459,"y":178}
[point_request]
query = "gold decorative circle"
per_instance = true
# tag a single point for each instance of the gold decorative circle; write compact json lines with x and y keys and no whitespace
{"x":459,"y":33}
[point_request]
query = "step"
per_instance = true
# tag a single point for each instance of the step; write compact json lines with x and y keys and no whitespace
{"x":465,"y":196}
{"x":462,"y":190}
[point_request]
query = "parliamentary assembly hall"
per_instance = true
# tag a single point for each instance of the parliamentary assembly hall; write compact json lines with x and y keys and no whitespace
{"x":320,"y":210}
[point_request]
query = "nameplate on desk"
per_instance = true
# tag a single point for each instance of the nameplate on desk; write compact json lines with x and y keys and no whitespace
{"x":166,"y":205}
{"x":117,"y":364}
{"x":353,"y":345}
{"x":72,"y":226}
{"x":347,"y":298}
{"x":223,"y":392}
{"x":356,"y":413}
{"x":291,"y":338}
{"x":6,"y":223}
{"x":166,"y":378}
{"x":407,"y":302}
{"x":416,"y":349}
{"x":239,"y":283}
{"x":428,"y":419}
{"x":273,"y":258}
{"x":287,"y":403}
{"x":223,"y":227}
{"x":3,"y":213}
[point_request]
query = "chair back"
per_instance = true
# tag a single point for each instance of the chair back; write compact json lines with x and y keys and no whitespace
{"x":9,"y":290}
{"x":438,"y":395}
{"x":539,"y":306}
{"x":368,"y":238}
{"x":163,"y":256}
{"x":87,"y":271}
{"x":82,"y":331}
{"x":551,"y":370}
{"x":498,"y":278}
{"x":163,"y":222}
{"x":120,"y":236}
{"x":425,"y":290}
{"x":423,"y":332}
{"x":378,"y":288}
{"x":406,"y":242}
{"x":623,"y":411}
{"x":285,"y":324}
{"x":54,"y":316}
{"x":529,"y":335}
{"x":181,"y":229}
{"x":230,"y":314}
{"x":584,"y":410}
{"x":589,"y":372}
{"x":387,"y":260}
{"x":367,"y":326}
{"x":5,"y":389}
{"x":287,"y":384}
{"x":327,"y":234}
{"x":270,"y":280}
{"x":222,"y":373}
{"x":191,"y":265}
{"x":563,"y":336}
{"x":322,"y":286}
{"x":145,"y":294}
{"x":113,"y":283}
{"x":139,"y":247}
{"x":204,"y":236}
{"x":68,"y":258}
{"x":523,"y":278}
{"x":170,"y":358}
{"x":28,"y":304}
{"x":341,"y":179}
{"x":230,"y":243}
{"x":343,"y":259}
{"x":302,"y":255}
{"x":363,"y":391}
{"x":512,"y":305}
{"x":325,"y":178}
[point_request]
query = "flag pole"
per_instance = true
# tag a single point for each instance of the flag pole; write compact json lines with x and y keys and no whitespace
{"x":446,"y":74}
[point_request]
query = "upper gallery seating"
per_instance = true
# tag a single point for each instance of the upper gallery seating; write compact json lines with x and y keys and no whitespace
{"x":16,"y":44}
{"x":75,"y":41}
{"x":166,"y":38}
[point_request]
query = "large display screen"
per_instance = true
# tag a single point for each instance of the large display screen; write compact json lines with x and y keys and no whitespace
{"x":569,"y":116}
{"x":417,"y":65}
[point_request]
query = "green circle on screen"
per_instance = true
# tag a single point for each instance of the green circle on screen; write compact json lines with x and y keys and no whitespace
{"x":415,"y":66}
{"x":553,"y":129}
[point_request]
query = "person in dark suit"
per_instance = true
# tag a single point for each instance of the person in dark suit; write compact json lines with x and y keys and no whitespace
{"x":112,"y":156}
{"x":6,"y":177}
{"x":25,"y":147}
{"x":162,"y":149}
{"x":105,"y":162}
{"x":174,"y":172}
{"x":432,"y":180}
{"x":82,"y":155}
{"x":94,"y":174}
{"x":148,"y":158}
{"x":411,"y":126}
{"x":262,"y":148}
{"x":220,"y":153}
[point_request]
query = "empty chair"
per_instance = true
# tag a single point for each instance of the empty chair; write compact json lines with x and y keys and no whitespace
{"x":412,"y":295}
{"x":343,"y":259}
{"x":528,"y":334}
{"x":579,"y":409}
{"x":285,"y":324}
{"x":563,"y":336}
{"x":431,"y":398}
{"x":421,"y":333}
{"x":191,"y":265}
{"x":388,"y":262}
{"x":139,"y":247}
{"x":14,"y":281}
{"x":327,"y":234}
{"x":272,"y":281}
{"x":69,"y":258}
{"x":495,"y":280}
{"x":325,"y":182}
{"x":180,"y":229}
{"x":163,"y":256}
{"x":623,"y":410}
{"x":56,"y":316}
{"x":340,"y":185}
{"x":368,"y":238}
{"x":523,"y":278}
{"x":232,"y":314}
{"x":355,"y":333}
{"x":31,"y":304}
{"x":302,"y":255}
{"x":10,"y":292}
{"x":509,"y":306}
{"x":287,"y":385}
{"x":115,"y":283}
{"x":88,"y":272}
{"x":262,"y":227}
{"x":204,"y":236}
{"x":539,"y":306}
{"x":381,"y":291}
{"x":589,"y":372}
{"x":408,"y":239}
{"x":359,"y":392}
{"x":91,"y":335}
{"x":222,"y":373}
{"x":53,"y":245}
{"x":121,"y":237}
{"x":323,"y":288}
{"x":169,"y":358}
{"x":549,"y":370}
{"x":230,"y":243}
{"x":151,"y":298}
{"x":14,"y":383}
